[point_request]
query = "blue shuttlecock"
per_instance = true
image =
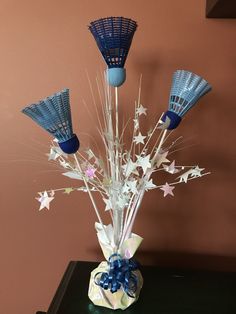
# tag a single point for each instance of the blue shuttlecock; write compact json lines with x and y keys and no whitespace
{"x":186,"y":90}
{"x":114,"y":36}
{"x":53,"y":114}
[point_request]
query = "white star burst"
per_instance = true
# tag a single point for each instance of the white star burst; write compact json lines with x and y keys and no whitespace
{"x":139,"y":138}
{"x":141,"y":110}
{"x":44,"y":200}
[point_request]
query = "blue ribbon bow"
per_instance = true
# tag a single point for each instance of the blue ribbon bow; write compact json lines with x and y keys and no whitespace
{"x":120,"y":274}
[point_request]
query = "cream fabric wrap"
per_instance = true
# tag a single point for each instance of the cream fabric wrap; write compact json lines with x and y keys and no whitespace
{"x":102,"y":297}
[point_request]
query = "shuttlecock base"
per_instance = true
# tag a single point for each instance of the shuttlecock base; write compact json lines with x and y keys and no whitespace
{"x":116,"y":76}
{"x":174,"y":119}
{"x":70,"y":146}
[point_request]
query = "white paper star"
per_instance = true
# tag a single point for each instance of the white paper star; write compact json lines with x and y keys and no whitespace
{"x":171,"y":168}
{"x":144,"y":162}
{"x":139,"y":138}
{"x":184,"y":177}
{"x":167,"y":189}
{"x":141,"y":110}
{"x":129,"y":168}
{"x":196,"y":172}
{"x":53,"y":155}
{"x":149,"y":185}
{"x":122,"y":201}
{"x":161,"y":158}
{"x":44,"y":200}
{"x":108,"y":204}
{"x":125,"y":189}
{"x":132,"y":185}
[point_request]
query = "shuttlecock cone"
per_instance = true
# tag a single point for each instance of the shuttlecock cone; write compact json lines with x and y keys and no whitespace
{"x":187,"y":88}
{"x":53,"y":114}
{"x":114,"y":36}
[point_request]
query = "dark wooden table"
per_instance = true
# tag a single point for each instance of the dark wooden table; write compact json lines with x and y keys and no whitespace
{"x":165,"y":291}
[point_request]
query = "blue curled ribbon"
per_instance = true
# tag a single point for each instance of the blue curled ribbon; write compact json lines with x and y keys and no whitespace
{"x":120,"y":274}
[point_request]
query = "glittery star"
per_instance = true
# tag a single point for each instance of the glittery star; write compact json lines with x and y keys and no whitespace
{"x":139,"y":138}
{"x":90,"y":172}
{"x":108,"y":204}
{"x":144,"y":162}
{"x":171,"y":168}
{"x":141,"y":110}
{"x":167,"y":189}
{"x":129,"y":168}
{"x":53,"y":155}
{"x":122,"y":201}
{"x":196,"y":172}
{"x":149,"y":185}
{"x":161,"y":158}
{"x":68,"y":190}
{"x":125,"y":189}
{"x":44,"y":200}
{"x":132,"y":185}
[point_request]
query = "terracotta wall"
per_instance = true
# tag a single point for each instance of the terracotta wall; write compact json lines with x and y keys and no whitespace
{"x":45,"y":46}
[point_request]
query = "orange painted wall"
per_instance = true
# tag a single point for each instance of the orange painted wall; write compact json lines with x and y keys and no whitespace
{"x":45,"y":46}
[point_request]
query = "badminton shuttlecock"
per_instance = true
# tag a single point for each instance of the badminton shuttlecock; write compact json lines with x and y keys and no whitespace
{"x":114,"y":36}
{"x":186,"y":90}
{"x":53,"y":115}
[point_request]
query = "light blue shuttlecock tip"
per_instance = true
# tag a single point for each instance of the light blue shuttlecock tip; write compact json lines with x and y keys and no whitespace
{"x":70,"y":146}
{"x":116,"y":76}
{"x":174,"y":119}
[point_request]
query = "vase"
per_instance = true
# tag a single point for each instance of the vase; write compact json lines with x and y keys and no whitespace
{"x":116,"y":283}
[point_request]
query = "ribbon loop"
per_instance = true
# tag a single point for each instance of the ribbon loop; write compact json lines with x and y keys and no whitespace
{"x":119,"y":275}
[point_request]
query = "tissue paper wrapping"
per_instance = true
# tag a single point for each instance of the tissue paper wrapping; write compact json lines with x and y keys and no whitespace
{"x":117,"y":300}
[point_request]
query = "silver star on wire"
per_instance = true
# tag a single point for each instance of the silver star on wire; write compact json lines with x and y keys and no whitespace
{"x":149,"y":185}
{"x":141,"y":110}
{"x":167,"y":189}
{"x":161,"y":158}
{"x":125,"y":189}
{"x":196,"y":172}
{"x":44,"y":200}
{"x":139,"y":138}
{"x":144,"y":162}
{"x":129,"y":168}
{"x":53,"y":155}
{"x":171,"y":168}
{"x":133,"y":186}
{"x":108,"y":204}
